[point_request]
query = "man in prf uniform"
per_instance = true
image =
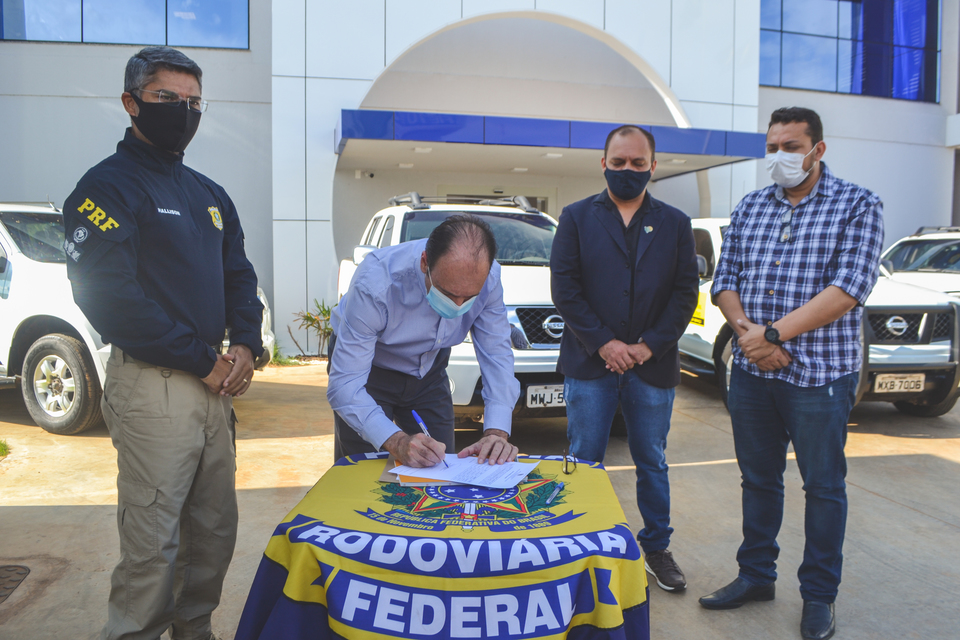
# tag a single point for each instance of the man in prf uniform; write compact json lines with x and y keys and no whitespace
{"x":156,"y":259}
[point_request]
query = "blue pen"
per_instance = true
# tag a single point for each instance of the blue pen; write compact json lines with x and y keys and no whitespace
{"x":555,"y":492}
{"x":426,"y":433}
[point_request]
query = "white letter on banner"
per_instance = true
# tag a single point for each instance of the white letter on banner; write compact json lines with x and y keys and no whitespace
{"x":386,"y":608}
{"x":342,"y":542}
{"x":587,"y":543}
{"x":496,"y":559}
{"x":539,"y":613}
{"x":553,"y":546}
{"x":420,"y":602}
{"x":459,"y":615}
{"x":496,"y":615}
{"x":566,"y":602}
{"x":524,"y":551}
{"x":353,"y":601}
{"x":439,"y":554}
{"x":467,"y":560}
{"x":320,"y":534}
{"x":611,"y":541}
{"x":379,"y":554}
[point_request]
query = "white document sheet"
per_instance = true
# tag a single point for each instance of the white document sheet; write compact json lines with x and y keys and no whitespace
{"x":467,"y":471}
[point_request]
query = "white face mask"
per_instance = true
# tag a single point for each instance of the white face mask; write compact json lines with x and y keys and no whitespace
{"x":786,"y":169}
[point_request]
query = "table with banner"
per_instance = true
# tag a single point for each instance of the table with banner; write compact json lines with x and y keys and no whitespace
{"x":363,"y":559}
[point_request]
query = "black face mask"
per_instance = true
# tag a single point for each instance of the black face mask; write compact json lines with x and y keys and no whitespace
{"x":627,"y":184}
{"x":168,"y":127}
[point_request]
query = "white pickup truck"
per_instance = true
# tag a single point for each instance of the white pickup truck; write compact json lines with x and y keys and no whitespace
{"x":912,"y":336}
{"x":524,"y":240}
{"x":45,"y":340}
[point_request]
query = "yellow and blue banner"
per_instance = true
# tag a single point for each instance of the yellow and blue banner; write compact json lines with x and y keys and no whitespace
{"x":361,"y":559}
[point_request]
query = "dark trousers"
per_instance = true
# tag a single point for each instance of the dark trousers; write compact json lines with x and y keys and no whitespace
{"x":767,"y":414}
{"x":398,"y":394}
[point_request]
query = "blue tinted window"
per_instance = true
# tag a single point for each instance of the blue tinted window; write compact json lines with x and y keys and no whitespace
{"x":850,"y":20}
{"x":849,"y":66}
{"x":183,"y":23}
{"x":884,"y":48}
{"x":50,"y":20}
{"x":809,"y":62}
{"x":770,"y":14}
{"x":124,"y":21}
{"x":207,"y":23}
{"x":817,"y":17}
{"x":770,"y":57}
{"x":910,"y":23}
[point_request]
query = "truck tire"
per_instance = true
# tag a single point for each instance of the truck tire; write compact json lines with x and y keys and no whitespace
{"x":926,"y":410}
{"x":723,"y":360}
{"x":60,"y":385}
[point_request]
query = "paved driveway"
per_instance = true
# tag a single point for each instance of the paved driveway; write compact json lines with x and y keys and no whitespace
{"x":901,"y":574}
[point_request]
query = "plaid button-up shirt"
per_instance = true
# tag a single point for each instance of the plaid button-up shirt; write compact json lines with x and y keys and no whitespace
{"x":837,"y":233}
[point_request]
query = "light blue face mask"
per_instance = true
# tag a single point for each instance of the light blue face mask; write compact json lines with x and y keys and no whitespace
{"x":443,"y":305}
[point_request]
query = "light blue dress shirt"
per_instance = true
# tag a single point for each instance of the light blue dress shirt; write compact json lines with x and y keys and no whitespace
{"x":384,"y":320}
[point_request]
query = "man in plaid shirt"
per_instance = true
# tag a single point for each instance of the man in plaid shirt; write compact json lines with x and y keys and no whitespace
{"x":798,"y":261}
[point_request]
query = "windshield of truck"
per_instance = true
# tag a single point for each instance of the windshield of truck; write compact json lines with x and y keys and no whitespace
{"x":522,"y":238}
{"x":926,"y":255}
{"x":38,"y":235}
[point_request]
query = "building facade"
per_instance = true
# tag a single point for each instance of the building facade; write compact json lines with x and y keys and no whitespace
{"x":282,"y":133}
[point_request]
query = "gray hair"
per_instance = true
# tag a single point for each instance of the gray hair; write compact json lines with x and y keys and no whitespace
{"x":145,"y":64}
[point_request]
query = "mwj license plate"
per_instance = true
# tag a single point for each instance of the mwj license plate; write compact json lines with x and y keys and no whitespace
{"x":899,"y":383}
{"x":547,"y":395}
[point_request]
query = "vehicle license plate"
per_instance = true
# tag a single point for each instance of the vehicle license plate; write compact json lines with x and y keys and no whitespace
{"x":898,"y":382}
{"x":547,"y":395}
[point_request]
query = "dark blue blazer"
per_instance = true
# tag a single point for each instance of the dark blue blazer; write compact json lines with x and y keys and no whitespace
{"x":590,"y":282}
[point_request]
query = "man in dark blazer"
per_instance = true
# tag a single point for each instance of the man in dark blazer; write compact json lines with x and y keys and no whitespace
{"x":625,"y":279}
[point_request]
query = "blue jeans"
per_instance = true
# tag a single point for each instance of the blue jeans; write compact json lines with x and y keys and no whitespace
{"x":591,"y":405}
{"x":768,"y":414}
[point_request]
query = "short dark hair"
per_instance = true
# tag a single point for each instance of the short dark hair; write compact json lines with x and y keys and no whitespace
{"x":457,"y":229}
{"x":626,"y":130}
{"x":144,"y":65}
{"x":786,"y":115}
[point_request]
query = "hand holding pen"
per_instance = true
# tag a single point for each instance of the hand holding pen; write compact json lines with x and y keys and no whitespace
{"x":423,"y":427}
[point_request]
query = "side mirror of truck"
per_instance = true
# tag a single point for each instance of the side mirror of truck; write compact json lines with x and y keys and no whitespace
{"x":3,"y":264}
{"x":702,"y":265}
{"x":360,"y":252}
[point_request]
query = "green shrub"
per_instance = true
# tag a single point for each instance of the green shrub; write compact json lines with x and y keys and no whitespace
{"x":281,"y":360}
{"x":318,"y":321}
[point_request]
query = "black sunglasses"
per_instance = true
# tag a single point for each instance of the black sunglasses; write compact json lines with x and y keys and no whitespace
{"x":786,"y":228}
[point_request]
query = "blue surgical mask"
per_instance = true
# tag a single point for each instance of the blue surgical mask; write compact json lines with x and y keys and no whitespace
{"x":443,"y":305}
{"x":627,"y":184}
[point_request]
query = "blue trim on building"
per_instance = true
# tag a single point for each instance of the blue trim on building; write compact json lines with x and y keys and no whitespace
{"x":526,"y":132}
{"x":534,"y":132}
{"x":752,"y":145}
{"x":701,"y":142}
{"x":438,"y":127}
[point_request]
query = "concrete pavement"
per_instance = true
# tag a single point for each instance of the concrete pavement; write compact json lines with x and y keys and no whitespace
{"x":901,"y":573}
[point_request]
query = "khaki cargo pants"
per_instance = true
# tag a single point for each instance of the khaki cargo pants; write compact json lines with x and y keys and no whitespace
{"x":177,"y":510}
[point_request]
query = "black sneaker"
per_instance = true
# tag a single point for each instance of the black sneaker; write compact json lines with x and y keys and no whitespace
{"x":662,"y":566}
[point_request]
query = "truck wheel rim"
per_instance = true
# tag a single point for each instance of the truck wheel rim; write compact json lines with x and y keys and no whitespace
{"x":54,"y":386}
